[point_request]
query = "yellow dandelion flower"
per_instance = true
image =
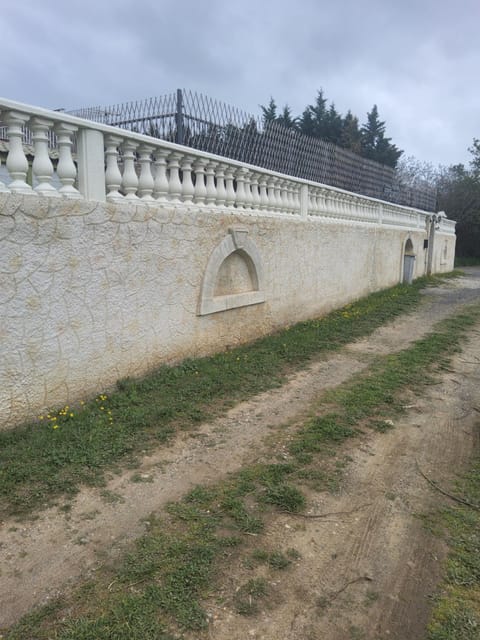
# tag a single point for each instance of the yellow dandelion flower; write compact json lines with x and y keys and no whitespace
{"x":71,"y":415}
{"x":55,"y":426}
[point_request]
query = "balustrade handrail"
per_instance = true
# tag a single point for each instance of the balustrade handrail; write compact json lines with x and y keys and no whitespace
{"x":180,"y":174}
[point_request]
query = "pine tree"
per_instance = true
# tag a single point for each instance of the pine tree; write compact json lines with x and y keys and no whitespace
{"x":286,"y":119}
{"x":306,"y":123}
{"x":351,"y":137}
{"x":319,"y":115}
{"x":269,"y":114}
{"x":333,"y":125}
{"x":375,"y":145}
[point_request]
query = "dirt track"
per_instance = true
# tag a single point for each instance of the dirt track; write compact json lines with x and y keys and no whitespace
{"x":380,"y":547}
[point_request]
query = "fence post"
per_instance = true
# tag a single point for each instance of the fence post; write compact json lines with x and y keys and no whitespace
{"x":179,"y":135}
{"x":91,"y":164}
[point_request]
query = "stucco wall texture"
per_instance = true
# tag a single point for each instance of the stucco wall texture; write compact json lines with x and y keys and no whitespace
{"x":92,"y":292}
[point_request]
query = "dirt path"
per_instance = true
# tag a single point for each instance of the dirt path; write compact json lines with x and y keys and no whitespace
{"x":383,"y":541}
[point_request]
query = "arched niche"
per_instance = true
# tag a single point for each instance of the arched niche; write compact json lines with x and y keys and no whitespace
{"x":234,"y":275}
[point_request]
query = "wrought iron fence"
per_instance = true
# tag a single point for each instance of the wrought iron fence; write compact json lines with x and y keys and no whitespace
{"x":197,"y":121}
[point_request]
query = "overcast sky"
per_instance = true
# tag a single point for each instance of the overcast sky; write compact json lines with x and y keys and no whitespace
{"x":418,"y":60}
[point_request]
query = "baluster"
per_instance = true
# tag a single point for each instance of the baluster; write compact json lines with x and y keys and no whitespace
{"x":284,"y":195}
{"x":160,"y":188}
{"x":211,"y":190}
{"x":263,"y":192}
{"x":145,"y":181}
{"x":221,"y":190}
{"x":66,"y":169}
{"x":289,"y":197}
{"x":200,"y":187}
{"x":17,"y":163}
{"x":312,"y":200}
{"x":130,"y":178}
{"x":3,"y":188}
{"x":278,"y":195}
{"x":248,"y":190}
{"x":255,"y":191}
{"x":241,"y":194}
{"x":113,"y":177}
{"x":296,"y":198}
{"x":271,"y":194}
{"x":174,"y":184}
{"x":42,"y":166}
{"x":187,"y":182}
{"x":230,"y":194}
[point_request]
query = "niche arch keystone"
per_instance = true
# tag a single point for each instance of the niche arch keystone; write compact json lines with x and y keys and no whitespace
{"x":234,"y":275}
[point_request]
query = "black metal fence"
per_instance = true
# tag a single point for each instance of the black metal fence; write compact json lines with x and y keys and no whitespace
{"x":203,"y":123}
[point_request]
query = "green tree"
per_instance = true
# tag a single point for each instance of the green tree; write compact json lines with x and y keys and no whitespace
{"x":269,"y":113}
{"x":351,"y":138}
{"x":286,"y":119}
{"x":459,"y":197}
{"x":333,"y":125}
{"x":375,"y":145}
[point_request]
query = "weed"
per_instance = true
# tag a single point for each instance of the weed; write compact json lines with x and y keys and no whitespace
{"x":285,"y":496}
{"x":249,"y":596}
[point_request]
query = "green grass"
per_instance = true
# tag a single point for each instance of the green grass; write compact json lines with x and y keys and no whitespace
{"x":160,"y":586}
{"x":456,"y":615}
{"x":73,"y":446}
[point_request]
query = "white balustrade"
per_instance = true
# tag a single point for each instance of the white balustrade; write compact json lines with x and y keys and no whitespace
{"x":160,"y":188}
{"x":17,"y":163}
{"x":42,"y":166}
{"x":200,"y":193}
{"x":113,"y":177}
{"x":187,"y":183}
{"x":230,"y":194}
{"x":66,"y":169}
{"x":240,"y":194}
{"x":221,"y":189}
{"x":3,"y":188}
{"x":174,"y":183}
{"x":255,"y":190}
{"x":211,"y":189}
{"x":99,"y":162}
{"x":146,"y":182}
{"x":262,"y":184}
{"x":129,"y":178}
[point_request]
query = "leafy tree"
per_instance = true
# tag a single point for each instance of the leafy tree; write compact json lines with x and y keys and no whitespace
{"x":459,"y":197}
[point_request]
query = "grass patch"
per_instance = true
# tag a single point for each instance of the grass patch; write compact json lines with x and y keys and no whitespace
{"x":73,"y":446}
{"x":456,"y":615}
{"x":161,"y":584}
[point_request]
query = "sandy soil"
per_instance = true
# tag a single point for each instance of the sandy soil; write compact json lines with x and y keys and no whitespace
{"x":365,"y":574}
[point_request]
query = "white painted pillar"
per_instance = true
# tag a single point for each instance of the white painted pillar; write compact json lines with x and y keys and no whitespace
{"x":66,"y":169}
{"x":17,"y":163}
{"x":113,"y":177}
{"x":42,"y":166}
{"x":145,"y":181}
{"x":91,"y":164}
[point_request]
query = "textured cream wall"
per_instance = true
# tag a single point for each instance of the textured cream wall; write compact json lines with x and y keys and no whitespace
{"x":91,"y":292}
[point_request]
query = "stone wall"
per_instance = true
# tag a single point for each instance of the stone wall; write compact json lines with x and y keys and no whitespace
{"x":92,"y":292}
